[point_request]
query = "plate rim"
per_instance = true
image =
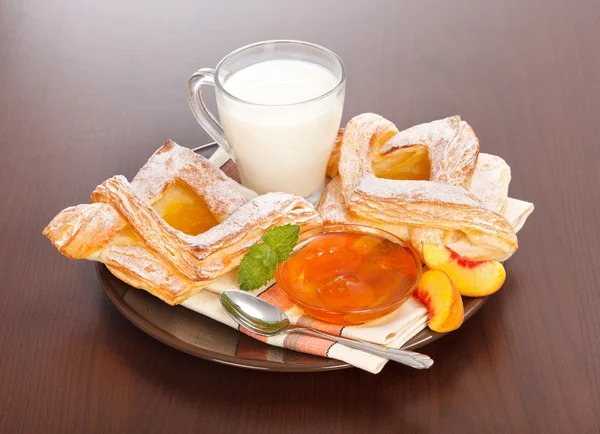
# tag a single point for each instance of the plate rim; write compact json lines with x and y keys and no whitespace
{"x":173,"y":341}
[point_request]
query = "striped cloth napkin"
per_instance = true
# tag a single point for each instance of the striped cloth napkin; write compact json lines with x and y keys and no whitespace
{"x":393,"y":330}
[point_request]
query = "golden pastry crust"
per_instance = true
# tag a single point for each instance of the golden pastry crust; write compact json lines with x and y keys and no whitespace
{"x":122,"y":229}
{"x":439,"y":210}
{"x":334,"y":158}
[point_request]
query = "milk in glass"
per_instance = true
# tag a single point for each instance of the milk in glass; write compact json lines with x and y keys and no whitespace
{"x":280,"y":125}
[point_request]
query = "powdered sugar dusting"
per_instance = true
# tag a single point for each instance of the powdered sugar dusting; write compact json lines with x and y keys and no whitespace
{"x":332,"y":207}
{"x":222,"y":194}
{"x":355,"y":151}
{"x":416,"y":191}
{"x":452,"y":146}
{"x":490,"y":181}
{"x":251,"y":213}
{"x":440,"y":131}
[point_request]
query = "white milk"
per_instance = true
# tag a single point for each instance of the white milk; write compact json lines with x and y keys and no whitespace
{"x":280,"y":145}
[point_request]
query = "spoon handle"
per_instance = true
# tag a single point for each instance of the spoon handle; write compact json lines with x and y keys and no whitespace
{"x":409,"y":358}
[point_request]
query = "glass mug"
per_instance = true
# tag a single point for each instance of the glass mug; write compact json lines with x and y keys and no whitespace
{"x":280,"y":104}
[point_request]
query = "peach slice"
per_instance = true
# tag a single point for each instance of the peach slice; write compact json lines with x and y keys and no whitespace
{"x":436,"y":291}
{"x":472,"y":278}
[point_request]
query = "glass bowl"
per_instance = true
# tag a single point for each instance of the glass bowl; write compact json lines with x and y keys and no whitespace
{"x":350,"y":274}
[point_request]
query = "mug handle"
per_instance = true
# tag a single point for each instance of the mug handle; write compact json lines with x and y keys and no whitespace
{"x":205,"y":76}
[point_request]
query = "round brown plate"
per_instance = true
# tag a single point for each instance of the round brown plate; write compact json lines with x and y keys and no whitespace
{"x":203,"y":337}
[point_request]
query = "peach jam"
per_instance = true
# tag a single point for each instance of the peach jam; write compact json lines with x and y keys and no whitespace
{"x":349,"y":278}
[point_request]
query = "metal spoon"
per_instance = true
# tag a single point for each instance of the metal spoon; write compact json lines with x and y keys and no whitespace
{"x":264,"y":319}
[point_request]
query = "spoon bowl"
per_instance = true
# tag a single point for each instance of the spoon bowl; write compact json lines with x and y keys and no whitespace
{"x":255,"y":314}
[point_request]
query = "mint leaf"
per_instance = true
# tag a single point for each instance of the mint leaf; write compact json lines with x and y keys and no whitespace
{"x":264,"y":253}
{"x":281,"y":240}
{"x":253,"y":274}
{"x":257,"y":267}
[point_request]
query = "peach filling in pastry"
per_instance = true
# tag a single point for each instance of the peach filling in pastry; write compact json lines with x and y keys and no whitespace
{"x":409,"y":163}
{"x":184,"y":210}
{"x":181,"y":208}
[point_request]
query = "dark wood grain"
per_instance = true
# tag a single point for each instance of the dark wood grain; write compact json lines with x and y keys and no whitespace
{"x":89,"y":89}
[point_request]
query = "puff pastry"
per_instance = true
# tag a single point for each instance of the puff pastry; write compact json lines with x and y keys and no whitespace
{"x":134,"y":228}
{"x":416,"y":183}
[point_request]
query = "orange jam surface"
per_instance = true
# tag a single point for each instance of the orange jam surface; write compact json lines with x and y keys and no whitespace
{"x":349,"y":278}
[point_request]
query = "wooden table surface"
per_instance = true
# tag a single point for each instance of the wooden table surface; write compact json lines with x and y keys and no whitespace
{"x":89,"y":89}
